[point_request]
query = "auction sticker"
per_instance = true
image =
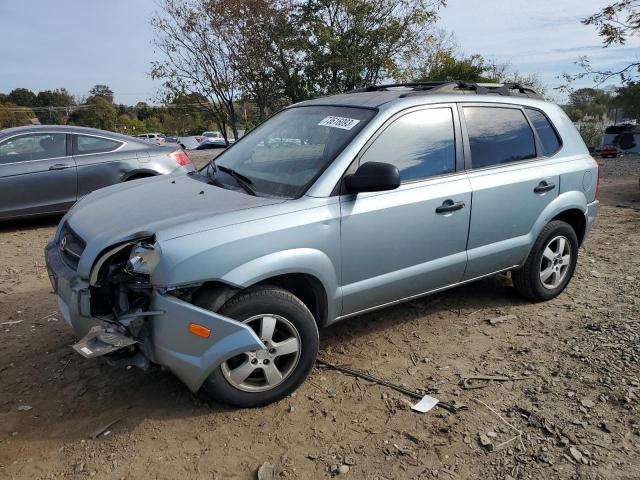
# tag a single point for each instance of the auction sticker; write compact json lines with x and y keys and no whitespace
{"x":339,"y":122}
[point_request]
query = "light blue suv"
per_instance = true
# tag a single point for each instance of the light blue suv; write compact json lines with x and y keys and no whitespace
{"x":332,"y":208}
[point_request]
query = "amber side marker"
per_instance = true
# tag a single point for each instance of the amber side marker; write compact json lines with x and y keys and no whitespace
{"x":199,"y":330}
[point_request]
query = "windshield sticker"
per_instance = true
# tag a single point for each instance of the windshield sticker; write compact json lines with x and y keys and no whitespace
{"x":339,"y":122}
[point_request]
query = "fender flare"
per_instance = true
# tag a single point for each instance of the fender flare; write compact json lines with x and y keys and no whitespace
{"x":572,"y":200}
{"x":298,"y":260}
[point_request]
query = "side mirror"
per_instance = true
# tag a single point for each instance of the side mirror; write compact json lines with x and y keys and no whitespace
{"x":373,"y":177}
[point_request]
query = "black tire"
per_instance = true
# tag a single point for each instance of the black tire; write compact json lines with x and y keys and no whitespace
{"x":527,"y":279}
{"x":274,"y":301}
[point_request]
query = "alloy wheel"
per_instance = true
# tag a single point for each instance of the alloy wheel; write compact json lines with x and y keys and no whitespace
{"x":555,"y":262}
{"x":262,"y":370}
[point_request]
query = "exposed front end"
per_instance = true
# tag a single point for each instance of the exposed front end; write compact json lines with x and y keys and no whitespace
{"x":118,"y":309}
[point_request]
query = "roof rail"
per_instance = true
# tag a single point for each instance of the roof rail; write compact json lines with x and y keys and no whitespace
{"x":460,"y":87}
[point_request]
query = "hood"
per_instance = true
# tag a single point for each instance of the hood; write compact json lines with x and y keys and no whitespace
{"x":158,"y":205}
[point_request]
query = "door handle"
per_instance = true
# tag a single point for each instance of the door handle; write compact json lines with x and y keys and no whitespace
{"x":59,"y":166}
{"x":543,"y":187}
{"x":449,"y":206}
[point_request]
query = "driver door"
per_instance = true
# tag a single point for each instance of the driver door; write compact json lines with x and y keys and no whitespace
{"x":405,"y":242}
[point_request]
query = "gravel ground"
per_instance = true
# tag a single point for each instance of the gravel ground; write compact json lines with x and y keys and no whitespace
{"x":567,"y":409}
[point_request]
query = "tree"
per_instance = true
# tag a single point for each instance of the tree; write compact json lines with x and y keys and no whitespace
{"x":97,"y":112}
{"x":12,"y":115}
{"x":102,"y":91}
{"x":628,"y":98}
{"x":443,"y":60}
{"x":443,"y":66}
{"x":616,"y":23}
{"x":354,"y":43}
{"x":591,"y":133}
{"x":53,"y":98}
{"x":588,"y":103}
{"x":263,"y":48}
{"x":23,"y":97}
{"x":196,"y":44}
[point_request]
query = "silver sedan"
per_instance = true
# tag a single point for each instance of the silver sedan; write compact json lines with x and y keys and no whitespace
{"x":45,"y":169}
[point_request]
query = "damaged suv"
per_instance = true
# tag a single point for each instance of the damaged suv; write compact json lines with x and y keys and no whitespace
{"x":333,"y":207}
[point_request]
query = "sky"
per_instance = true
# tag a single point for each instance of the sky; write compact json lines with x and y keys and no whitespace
{"x":78,"y":43}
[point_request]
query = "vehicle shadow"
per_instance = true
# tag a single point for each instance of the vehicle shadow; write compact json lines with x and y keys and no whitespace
{"x":494,"y":293}
{"x":24,"y":224}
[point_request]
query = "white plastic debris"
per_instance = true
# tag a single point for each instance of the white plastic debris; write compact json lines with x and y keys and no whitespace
{"x":425,"y":404}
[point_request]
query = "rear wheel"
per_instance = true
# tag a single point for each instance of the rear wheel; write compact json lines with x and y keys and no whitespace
{"x":550,"y":264}
{"x":288,"y":330}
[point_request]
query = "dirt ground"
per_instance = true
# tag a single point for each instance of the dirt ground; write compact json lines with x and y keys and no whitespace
{"x":568,"y":410}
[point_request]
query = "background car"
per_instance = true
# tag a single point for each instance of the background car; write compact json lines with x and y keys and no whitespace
{"x":209,"y":134}
{"x":45,"y":169}
{"x":209,"y":143}
{"x":609,"y":151}
{"x":157,"y":138}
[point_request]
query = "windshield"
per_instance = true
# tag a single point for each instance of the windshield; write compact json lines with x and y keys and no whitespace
{"x":284,"y":155}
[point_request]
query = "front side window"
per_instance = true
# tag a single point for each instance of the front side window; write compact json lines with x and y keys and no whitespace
{"x":498,"y":135}
{"x":546,"y":133}
{"x":40,"y":146}
{"x":86,"y":144}
{"x":421,"y":144}
{"x":284,"y":155}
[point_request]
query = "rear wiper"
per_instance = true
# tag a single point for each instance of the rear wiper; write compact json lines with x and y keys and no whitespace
{"x":243,"y":181}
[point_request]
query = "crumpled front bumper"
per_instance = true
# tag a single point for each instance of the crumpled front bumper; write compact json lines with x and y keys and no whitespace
{"x":191,"y":358}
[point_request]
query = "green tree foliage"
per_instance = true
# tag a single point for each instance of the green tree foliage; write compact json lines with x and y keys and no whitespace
{"x":628,"y":98}
{"x":102,"y":91}
{"x":48,"y":99}
{"x":12,"y":115}
{"x":442,"y":60}
{"x":588,"y":103}
{"x":97,"y":112}
{"x":267,"y":51}
{"x":354,"y":43}
{"x":444,"y":66}
{"x":22,"y":97}
{"x":591,"y":133}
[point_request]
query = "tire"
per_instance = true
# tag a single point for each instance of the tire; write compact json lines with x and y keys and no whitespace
{"x":528,"y":280}
{"x":293,"y":321}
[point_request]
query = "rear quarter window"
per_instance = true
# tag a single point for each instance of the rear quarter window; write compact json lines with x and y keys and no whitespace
{"x":86,"y":144}
{"x":546,"y":133}
{"x":498,"y":135}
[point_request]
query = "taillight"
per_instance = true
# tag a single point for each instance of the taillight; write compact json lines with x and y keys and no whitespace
{"x":180,"y":157}
{"x":597,"y":180}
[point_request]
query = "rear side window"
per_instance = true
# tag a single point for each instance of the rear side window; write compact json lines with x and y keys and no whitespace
{"x":498,"y":135}
{"x":39,"y":146}
{"x":546,"y":133}
{"x":421,"y":144}
{"x":85,"y":144}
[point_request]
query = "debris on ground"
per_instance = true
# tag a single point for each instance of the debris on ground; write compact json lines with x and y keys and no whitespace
{"x":502,"y":319}
{"x":96,"y":433}
{"x":267,"y":471}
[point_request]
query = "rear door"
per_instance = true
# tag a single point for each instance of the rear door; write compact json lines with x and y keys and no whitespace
{"x":37,"y":174}
{"x":409,"y":241}
{"x":511,"y":181}
{"x":101,"y":161}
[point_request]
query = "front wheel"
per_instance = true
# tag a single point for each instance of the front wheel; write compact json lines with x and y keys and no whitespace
{"x":550,"y":264}
{"x":288,"y":330}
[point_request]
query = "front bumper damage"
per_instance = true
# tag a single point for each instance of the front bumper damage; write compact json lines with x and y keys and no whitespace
{"x":161,"y":333}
